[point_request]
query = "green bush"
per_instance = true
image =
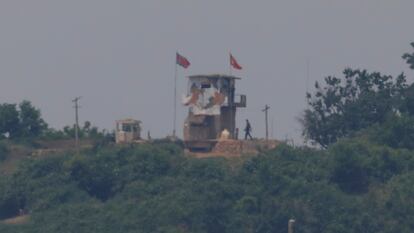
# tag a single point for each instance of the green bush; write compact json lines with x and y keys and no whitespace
{"x":396,"y":132}
{"x":4,"y":151}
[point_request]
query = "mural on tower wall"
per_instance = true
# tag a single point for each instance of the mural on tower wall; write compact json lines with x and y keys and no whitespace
{"x":204,"y":97}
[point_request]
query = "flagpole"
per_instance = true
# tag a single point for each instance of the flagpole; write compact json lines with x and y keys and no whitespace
{"x":175,"y":97}
{"x":229,"y":63}
{"x":231,"y":105}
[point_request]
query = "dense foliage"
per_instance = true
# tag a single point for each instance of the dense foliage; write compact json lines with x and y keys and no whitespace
{"x":345,"y":106}
{"x":85,"y":131}
{"x":409,"y":58}
{"x":4,"y":151}
{"x":354,"y":186}
{"x":341,"y":107}
{"x":21,"y":122}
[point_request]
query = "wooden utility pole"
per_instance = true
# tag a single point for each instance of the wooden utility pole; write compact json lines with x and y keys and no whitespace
{"x":291,"y":225}
{"x":265,"y":110}
{"x":76,"y":100}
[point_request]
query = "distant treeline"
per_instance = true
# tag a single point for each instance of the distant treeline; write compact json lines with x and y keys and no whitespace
{"x":24,"y":122}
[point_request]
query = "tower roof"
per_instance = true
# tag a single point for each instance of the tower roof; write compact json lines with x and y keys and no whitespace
{"x":129,"y":121}
{"x":217,"y":76}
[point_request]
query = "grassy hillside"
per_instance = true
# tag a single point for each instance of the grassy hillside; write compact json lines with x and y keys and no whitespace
{"x":352,"y":187}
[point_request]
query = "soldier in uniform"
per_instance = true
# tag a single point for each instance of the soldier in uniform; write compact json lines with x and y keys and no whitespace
{"x":247,"y":130}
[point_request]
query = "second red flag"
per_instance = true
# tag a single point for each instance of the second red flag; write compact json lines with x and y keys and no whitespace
{"x":234,"y":63}
{"x":182,"y":61}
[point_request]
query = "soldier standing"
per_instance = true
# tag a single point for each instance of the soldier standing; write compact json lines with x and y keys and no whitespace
{"x":247,"y":130}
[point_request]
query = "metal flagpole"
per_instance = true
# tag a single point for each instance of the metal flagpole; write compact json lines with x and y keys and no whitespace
{"x":230,"y":62}
{"x":175,"y":97}
{"x":231,"y":105}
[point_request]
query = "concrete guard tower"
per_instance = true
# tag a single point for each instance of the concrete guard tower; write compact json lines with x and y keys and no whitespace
{"x":127,"y":131}
{"x":212,"y":103}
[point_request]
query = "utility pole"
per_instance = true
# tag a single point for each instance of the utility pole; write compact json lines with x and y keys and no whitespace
{"x":291,"y":225}
{"x":76,"y":100}
{"x":265,"y":110}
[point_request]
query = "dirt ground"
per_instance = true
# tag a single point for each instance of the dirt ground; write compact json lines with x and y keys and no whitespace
{"x":236,"y":148}
{"x":17,"y":220}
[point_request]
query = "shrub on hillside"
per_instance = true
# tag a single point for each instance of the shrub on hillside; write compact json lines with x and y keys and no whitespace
{"x":4,"y":151}
{"x":357,"y":165}
{"x":396,"y":132}
{"x":104,"y":172}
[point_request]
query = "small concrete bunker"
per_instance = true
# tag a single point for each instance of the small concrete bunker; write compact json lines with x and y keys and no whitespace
{"x":212,"y":102}
{"x":127,"y":131}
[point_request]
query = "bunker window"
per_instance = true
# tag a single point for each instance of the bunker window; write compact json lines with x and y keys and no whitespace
{"x":205,"y":85}
{"x":126,"y":128}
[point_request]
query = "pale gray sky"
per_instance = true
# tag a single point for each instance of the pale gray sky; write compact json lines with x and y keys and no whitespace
{"x":120,"y":55}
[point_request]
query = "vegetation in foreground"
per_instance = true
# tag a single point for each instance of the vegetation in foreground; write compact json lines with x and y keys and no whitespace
{"x":352,"y":187}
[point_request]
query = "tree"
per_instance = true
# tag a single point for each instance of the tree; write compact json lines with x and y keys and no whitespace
{"x":407,"y":104}
{"x":87,"y":127}
{"x":396,"y":132}
{"x":9,"y":120}
{"x":409,"y":58}
{"x":31,"y":123}
{"x":344,"y":106}
{"x":24,"y":121}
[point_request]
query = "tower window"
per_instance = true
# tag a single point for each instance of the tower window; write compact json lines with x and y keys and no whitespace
{"x":205,"y":85}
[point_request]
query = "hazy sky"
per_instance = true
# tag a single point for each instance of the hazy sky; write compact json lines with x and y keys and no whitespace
{"x":120,"y":54}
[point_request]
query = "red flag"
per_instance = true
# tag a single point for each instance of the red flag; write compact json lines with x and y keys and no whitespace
{"x":182,"y":61}
{"x":234,"y":63}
